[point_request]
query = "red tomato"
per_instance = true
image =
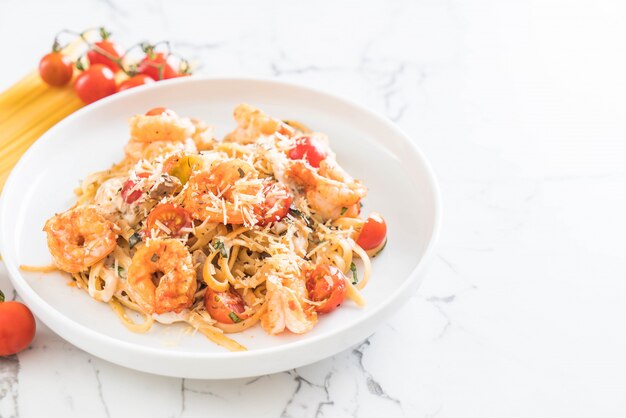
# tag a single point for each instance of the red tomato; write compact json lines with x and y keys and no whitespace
{"x":158,"y":111}
{"x":103,"y":53}
{"x":173,"y":217}
{"x":17,"y":327}
{"x":94,"y":83}
{"x":129,"y":192}
{"x":373,"y":232}
{"x":56,"y":69}
{"x":326,"y":284}
{"x":309,"y":148}
{"x":276,"y":205}
{"x":134,"y":81}
{"x":156,"y":66}
{"x":225,"y":307}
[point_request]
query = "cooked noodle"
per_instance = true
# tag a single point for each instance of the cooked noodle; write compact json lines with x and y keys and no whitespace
{"x":255,"y":221}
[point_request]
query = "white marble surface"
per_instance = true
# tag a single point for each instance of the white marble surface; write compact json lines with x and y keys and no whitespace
{"x":520,"y":107}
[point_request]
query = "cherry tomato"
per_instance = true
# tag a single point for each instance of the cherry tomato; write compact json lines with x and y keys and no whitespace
{"x":129,"y":192}
{"x":173,"y":217}
{"x":56,"y":69}
{"x":309,"y":148}
{"x":373,"y":233}
{"x":276,"y":205}
{"x":17,"y":327}
{"x":226,"y":307}
{"x":134,"y":81}
{"x":158,"y":111}
{"x":156,"y":66}
{"x":326,"y":284}
{"x":112,"y":50}
{"x":94,"y":83}
{"x":182,"y":166}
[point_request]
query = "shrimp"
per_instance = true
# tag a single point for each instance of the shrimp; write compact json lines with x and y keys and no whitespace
{"x":203,"y":136}
{"x":157,"y":135}
{"x":228,"y":192}
{"x":80,"y":238}
{"x":137,"y":150}
{"x":330,"y":191}
{"x":161,"y":277}
{"x":286,"y":306}
{"x":252,"y":123}
{"x":164,"y":127}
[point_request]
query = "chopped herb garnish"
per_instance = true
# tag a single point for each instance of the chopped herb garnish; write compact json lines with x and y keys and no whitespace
{"x":241,"y":172}
{"x":355,"y":279}
{"x":344,"y":210}
{"x":295,"y":212}
{"x":233,"y":316}
{"x":134,"y":239}
{"x":154,"y":258}
{"x":219,"y":245}
{"x":360,"y":204}
{"x":121,"y":272}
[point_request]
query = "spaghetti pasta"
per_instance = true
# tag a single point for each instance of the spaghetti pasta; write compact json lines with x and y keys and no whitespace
{"x":224,"y":243}
{"x":29,"y":108}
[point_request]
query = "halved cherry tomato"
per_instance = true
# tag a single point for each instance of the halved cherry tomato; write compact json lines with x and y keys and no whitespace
{"x":134,"y":81}
{"x":97,"y":55}
{"x":226,"y":307}
{"x":129,"y":192}
{"x":158,"y":111}
{"x":94,"y":83}
{"x":310,"y":149}
{"x":276,"y":205}
{"x":373,"y":233}
{"x":56,"y":69}
{"x":173,"y":217}
{"x":326,"y":284}
{"x":17,"y":327}
{"x":156,"y":66}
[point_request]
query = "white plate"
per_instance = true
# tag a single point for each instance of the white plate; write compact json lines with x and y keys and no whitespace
{"x":401,"y":187}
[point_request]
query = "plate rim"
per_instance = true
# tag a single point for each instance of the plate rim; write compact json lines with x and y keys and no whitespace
{"x":28,"y":294}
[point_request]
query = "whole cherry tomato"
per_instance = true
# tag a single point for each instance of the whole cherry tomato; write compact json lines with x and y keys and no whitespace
{"x":326,"y":284}
{"x":308,"y":148}
{"x":17,"y":327}
{"x":95,"y":83}
{"x":134,"y":81}
{"x":226,"y":307}
{"x":105,"y":52}
{"x":56,"y":69}
{"x":373,"y":233}
{"x":155,"y":65}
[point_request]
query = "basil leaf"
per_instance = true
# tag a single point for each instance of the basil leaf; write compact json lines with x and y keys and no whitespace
{"x":233,"y":316}
{"x":134,"y":239}
{"x":219,"y":245}
{"x":121,"y":272}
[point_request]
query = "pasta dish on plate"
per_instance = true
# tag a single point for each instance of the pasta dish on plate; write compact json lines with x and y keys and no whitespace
{"x":261,"y":227}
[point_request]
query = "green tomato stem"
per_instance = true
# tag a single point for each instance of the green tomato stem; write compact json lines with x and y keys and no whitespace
{"x":1,"y":296}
